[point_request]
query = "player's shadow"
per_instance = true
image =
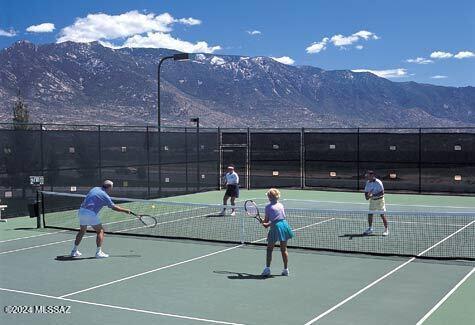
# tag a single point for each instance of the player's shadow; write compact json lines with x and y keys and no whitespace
{"x":215,"y":215}
{"x":67,"y":258}
{"x":351,"y":236}
{"x":245,"y":276}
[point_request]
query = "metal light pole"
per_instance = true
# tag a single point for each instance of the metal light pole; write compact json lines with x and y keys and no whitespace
{"x":197,"y":121}
{"x":175,"y":57}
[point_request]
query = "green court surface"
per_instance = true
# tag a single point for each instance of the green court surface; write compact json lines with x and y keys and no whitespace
{"x":158,"y":281}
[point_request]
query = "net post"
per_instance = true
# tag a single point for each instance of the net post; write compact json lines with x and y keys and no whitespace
{"x":37,"y":207}
{"x":43,"y":208}
{"x":242,"y":229}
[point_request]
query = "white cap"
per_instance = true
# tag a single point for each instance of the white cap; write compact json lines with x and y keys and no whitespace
{"x":108,"y":183}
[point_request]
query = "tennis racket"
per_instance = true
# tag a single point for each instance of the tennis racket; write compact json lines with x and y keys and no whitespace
{"x":252,"y":210}
{"x":147,"y":220}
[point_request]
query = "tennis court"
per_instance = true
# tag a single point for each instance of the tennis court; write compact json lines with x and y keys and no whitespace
{"x":175,"y":280}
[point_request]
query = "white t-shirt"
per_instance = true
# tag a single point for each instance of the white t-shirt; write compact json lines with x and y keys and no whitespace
{"x":231,"y":178}
{"x":374,"y":187}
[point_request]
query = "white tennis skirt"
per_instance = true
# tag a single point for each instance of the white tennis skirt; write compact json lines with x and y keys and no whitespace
{"x":88,"y":217}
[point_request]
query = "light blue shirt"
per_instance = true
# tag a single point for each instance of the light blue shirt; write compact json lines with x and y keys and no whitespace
{"x":374,"y":187}
{"x":275,"y":211}
{"x":96,"y":199}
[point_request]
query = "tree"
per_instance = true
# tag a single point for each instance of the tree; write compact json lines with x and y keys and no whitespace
{"x":20,"y":114}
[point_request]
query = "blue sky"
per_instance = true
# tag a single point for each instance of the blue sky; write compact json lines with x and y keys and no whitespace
{"x":423,"y":41}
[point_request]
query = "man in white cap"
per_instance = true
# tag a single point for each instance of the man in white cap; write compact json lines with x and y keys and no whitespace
{"x":374,"y":192}
{"x":231,"y":179}
{"x":96,"y":199}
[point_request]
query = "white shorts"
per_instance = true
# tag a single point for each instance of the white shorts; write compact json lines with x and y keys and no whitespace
{"x":377,"y":205}
{"x":88,"y":217}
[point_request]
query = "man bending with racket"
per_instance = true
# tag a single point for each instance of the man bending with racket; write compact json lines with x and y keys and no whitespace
{"x":279,"y":231}
{"x":231,"y":180}
{"x":88,"y":214}
{"x":374,"y":192}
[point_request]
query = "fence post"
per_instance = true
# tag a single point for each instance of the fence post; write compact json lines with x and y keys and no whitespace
{"x":420,"y":160}
{"x":100,"y":152}
{"x":358,"y":159}
{"x":159,"y":161}
{"x":148,"y":162}
{"x":302,"y":158}
{"x":42,"y":166}
{"x":248,"y":159}
{"x":220,"y":157}
{"x":198,"y":174}
{"x":186,"y":160}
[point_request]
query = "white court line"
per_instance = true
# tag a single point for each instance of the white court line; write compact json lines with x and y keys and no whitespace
{"x":176,"y":264}
{"x":383,"y":277}
{"x":430,"y":312}
{"x":122,"y":308}
{"x":45,"y":234}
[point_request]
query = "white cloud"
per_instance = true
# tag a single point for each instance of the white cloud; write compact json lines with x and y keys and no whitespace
{"x":133,"y":29}
{"x":164,"y":40}
{"x":341,"y":41}
{"x":7,"y":33}
{"x":441,"y":55}
{"x":254,"y":32}
{"x":284,"y":60}
{"x":189,"y":21}
{"x":391,"y":73}
{"x":317,"y":47}
{"x":41,"y":28}
{"x":420,"y":61}
{"x":439,"y":77}
{"x":464,"y":55}
{"x":366,"y":35}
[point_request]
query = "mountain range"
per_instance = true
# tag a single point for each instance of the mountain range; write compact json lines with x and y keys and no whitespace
{"x":86,"y":83}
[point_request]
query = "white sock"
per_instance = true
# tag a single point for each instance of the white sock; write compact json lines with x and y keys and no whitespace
{"x":75,"y":247}
{"x":99,"y":249}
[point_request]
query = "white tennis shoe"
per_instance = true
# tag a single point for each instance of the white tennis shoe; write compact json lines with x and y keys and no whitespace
{"x":386,"y":232}
{"x":266,"y":271}
{"x":233,"y":213}
{"x":101,"y":254}
{"x":75,"y":253}
{"x":368,"y":231}
{"x":285,"y":272}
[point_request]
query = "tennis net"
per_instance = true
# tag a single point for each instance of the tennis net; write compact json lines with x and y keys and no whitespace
{"x":418,"y":234}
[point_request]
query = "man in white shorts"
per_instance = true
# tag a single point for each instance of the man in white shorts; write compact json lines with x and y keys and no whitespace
{"x":374,"y":192}
{"x":231,"y":179}
{"x":88,"y":214}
